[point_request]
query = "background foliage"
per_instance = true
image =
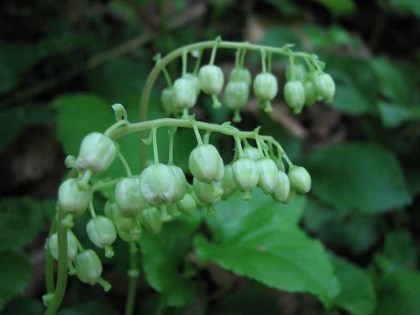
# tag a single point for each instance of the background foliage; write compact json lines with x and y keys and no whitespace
{"x":350,"y":247}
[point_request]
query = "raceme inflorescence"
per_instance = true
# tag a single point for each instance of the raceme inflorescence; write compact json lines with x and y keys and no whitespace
{"x":161,"y":191}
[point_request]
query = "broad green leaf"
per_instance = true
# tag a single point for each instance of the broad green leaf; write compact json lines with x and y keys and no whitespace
{"x":356,"y":87}
{"x":78,"y":115}
{"x":398,"y":254}
{"x":317,"y":216}
{"x":348,"y":98}
{"x":20,"y":221}
{"x":358,"y":177}
{"x":393,"y":115}
{"x":260,"y":239}
{"x":357,"y":233}
{"x":339,"y":7}
{"x":398,"y":81}
{"x":163,"y":256}
{"x":398,"y":293}
{"x":357,"y":295}
{"x":15,"y":272}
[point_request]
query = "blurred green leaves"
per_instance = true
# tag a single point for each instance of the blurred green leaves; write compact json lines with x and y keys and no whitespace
{"x":163,"y":260}
{"x":357,"y":294}
{"x":16,"y":213}
{"x":398,"y":293}
{"x":15,"y":271}
{"x":339,"y":7}
{"x":358,"y":177}
{"x":260,"y":239}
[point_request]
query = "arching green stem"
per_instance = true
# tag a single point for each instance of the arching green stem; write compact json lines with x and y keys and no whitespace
{"x":62,"y":266}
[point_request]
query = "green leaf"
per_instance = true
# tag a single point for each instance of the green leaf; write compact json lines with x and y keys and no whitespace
{"x":398,"y":254}
{"x":260,"y":239}
{"x":357,"y":295}
{"x":163,"y":256}
{"x":15,"y":272}
{"x":393,"y":115}
{"x":356,"y":88}
{"x":339,"y":7}
{"x":348,"y":98}
{"x":78,"y":115}
{"x":357,"y":233}
{"x":24,"y":306}
{"x":21,"y":220}
{"x":398,"y":81}
{"x":398,"y":293}
{"x":359,"y":177}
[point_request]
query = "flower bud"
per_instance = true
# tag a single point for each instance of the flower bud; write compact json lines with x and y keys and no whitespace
{"x":159,"y":184}
{"x":252,"y":153}
{"x":325,"y":86}
{"x":241,"y":75}
{"x":300,"y":180}
{"x":236,"y":94}
{"x":181,"y":182}
{"x":310,"y":92}
{"x":128,"y":197}
{"x":265,"y":86}
{"x":88,"y":267}
{"x":71,"y":245}
{"x":245,"y":173}
{"x":206,"y":164}
{"x":151,"y":219}
{"x":184,"y":93}
{"x":294,"y":94}
{"x":195,"y":80}
{"x":295,"y":72}
{"x":101,"y":232}
{"x":187,"y":204}
{"x":282,"y":190}
{"x":267,"y":170}
{"x":208,"y":194}
{"x":211,"y":79}
{"x":72,"y":199}
{"x":228,"y":183}
{"x":97,"y":152}
{"x":167,"y":101}
{"x":129,"y":229}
